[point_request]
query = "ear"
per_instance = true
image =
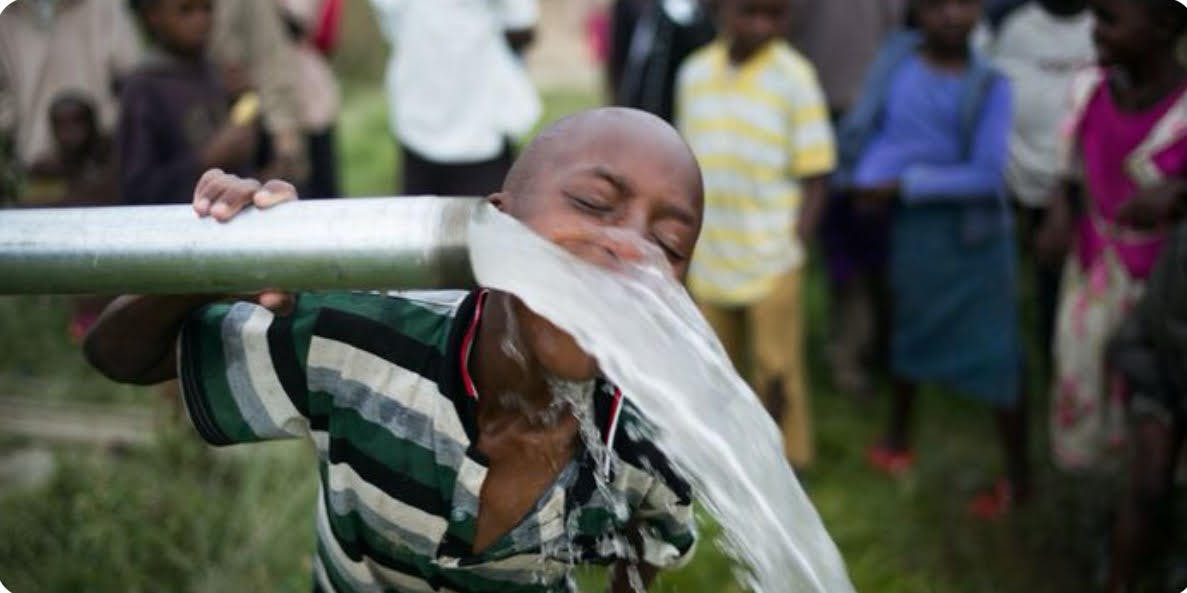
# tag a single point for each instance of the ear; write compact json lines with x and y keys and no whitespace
{"x":499,"y":200}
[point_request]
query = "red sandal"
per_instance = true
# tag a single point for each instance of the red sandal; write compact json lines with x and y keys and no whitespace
{"x":994,"y":503}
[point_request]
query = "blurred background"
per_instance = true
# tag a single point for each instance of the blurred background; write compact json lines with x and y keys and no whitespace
{"x":104,"y":487}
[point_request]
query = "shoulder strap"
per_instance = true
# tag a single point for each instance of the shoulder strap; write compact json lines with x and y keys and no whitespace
{"x":1170,"y":128}
{"x":981,"y":79}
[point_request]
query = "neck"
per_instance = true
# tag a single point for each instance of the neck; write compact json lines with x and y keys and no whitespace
{"x":739,"y":54}
{"x":1145,"y":82}
{"x":1063,"y":9}
{"x":509,"y":379}
{"x":945,"y":56}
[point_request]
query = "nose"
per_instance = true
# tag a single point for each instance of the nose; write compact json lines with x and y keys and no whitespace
{"x":609,"y":249}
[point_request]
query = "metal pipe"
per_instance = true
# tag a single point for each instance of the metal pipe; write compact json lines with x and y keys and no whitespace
{"x":368,"y":243}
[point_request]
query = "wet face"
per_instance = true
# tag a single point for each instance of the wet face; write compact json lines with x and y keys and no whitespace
{"x":73,"y":125}
{"x":182,"y":26}
{"x":750,"y":24}
{"x":617,"y":185}
{"x":1125,"y":32}
{"x":947,"y":24}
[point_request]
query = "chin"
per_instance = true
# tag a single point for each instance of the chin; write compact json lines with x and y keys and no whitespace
{"x":560,"y":357}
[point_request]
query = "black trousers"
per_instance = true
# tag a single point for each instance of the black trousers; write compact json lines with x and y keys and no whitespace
{"x":323,"y":165}
{"x":423,"y":177}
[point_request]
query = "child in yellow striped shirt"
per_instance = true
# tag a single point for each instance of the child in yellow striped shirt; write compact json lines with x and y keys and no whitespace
{"x":753,"y":111}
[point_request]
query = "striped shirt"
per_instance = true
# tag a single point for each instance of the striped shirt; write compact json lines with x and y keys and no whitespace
{"x":379,"y":383}
{"x":755,"y":129}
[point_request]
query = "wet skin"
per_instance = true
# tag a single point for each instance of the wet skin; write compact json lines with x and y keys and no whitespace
{"x":600,"y":185}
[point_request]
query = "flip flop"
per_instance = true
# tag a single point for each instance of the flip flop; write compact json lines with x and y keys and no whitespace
{"x":994,"y":503}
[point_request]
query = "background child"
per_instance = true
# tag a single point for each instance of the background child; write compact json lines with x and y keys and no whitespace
{"x":83,"y":163}
{"x":1149,"y":351}
{"x":1127,"y":150}
{"x":930,"y":137}
{"x":309,"y":21}
{"x":1040,"y":46}
{"x":83,"y":158}
{"x":175,"y":118}
{"x":753,"y":112}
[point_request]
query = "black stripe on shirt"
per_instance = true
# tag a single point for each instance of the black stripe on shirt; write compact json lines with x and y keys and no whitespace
{"x":287,"y":365}
{"x":394,"y":483}
{"x":197,"y":401}
{"x":380,"y":340}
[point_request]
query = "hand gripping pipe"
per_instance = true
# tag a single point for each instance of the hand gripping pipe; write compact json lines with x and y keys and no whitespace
{"x":368,"y":243}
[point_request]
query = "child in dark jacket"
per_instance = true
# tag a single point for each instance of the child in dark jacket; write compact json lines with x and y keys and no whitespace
{"x":175,"y":121}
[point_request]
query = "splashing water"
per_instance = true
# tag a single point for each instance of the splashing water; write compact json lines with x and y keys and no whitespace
{"x":650,"y":340}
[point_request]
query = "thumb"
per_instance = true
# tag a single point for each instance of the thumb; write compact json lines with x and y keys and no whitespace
{"x":274,"y":192}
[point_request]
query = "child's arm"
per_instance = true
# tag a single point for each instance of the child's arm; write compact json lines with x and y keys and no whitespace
{"x":1155,"y":206}
{"x":813,"y":151}
{"x":1053,"y":239}
{"x":815,"y":193}
{"x":981,"y":176}
{"x":134,"y":340}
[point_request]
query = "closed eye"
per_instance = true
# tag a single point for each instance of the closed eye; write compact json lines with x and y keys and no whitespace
{"x":589,"y":204}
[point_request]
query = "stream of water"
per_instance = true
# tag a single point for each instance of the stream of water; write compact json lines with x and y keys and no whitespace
{"x":650,"y":340}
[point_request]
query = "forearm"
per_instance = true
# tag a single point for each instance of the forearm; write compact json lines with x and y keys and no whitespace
{"x":956,"y":183}
{"x":815,"y":195}
{"x":134,"y":340}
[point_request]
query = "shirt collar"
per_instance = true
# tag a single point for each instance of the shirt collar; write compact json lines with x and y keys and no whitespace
{"x":607,"y":399}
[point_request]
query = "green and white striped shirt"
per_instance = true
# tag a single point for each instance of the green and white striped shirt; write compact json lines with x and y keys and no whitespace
{"x":379,"y":382}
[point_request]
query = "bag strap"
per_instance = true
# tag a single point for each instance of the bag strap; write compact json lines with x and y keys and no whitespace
{"x":981,"y":79}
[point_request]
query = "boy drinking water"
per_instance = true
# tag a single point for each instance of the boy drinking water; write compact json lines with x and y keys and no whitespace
{"x":754,"y":114}
{"x":443,"y":462}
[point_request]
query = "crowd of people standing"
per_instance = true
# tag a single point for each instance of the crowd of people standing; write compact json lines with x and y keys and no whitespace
{"x":960,"y":144}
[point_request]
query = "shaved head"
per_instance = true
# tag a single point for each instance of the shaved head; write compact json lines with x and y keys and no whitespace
{"x":608,"y":185}
{"x":572,"y":135}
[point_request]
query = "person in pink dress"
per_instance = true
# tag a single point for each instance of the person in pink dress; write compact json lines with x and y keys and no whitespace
{"x":1126,"y":153}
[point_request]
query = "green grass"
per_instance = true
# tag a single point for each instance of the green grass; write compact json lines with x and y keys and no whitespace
{"x":178,"y":516}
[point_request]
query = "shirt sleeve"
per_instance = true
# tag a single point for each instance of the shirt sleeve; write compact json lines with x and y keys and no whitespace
{"x":517,"y":15}
{"x":982,"y":174}
{"x":811,"y":142}
{"x":242,"y":372}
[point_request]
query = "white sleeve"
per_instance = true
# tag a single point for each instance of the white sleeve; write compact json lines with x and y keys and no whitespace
{"x":516,"y":15}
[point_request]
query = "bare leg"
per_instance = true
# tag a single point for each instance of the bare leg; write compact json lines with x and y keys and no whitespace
{"x":1153,"y":451}
{"x":1013,"y":432}
{"x":902,"y":404}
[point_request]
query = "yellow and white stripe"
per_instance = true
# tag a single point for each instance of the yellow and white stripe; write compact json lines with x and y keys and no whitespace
{"x":756,"y":130}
